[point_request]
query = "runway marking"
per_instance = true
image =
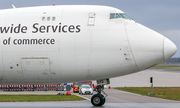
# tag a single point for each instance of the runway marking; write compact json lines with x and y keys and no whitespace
{"x":83,"y":97}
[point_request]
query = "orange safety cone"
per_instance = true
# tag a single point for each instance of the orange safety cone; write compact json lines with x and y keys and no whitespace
{"x":68,"y":93}
{"x":109,"y":87}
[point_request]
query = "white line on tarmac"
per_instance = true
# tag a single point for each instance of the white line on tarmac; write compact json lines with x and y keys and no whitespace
{"x":83,"y":97}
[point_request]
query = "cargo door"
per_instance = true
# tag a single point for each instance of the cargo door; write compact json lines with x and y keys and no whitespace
{"x":36,"y":69}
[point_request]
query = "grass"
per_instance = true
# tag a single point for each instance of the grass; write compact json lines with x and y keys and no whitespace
{"x":165,"y":67}
{"x":172,"y":93}
{"x":31,"y":98}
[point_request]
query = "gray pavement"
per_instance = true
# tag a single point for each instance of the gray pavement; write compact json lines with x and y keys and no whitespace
{"x":116,"y":98}
{"x":142,"y":79}
{"x":86,"y":105}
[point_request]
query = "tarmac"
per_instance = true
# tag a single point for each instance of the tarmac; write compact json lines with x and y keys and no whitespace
{"x":116,"y":98}
{"x":142,"y":79}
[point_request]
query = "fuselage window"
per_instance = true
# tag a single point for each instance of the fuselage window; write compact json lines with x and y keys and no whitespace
{"x":48,"y":18}
{"x":43,"y":18}
{"x":53,"y":18}
{"x":112,"y":15}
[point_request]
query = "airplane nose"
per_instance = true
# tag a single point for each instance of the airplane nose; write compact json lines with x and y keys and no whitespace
{"x":169,"y":48}
{"x":148,"y":47}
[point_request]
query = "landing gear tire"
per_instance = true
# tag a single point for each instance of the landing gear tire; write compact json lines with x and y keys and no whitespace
{"x":104,"y":99}
{"x":97,"y":100}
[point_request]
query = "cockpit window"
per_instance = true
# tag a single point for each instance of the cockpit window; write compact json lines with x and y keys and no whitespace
{"x":124,"y":16}
{"x":119,"y":15}
{"x":112,"y":15}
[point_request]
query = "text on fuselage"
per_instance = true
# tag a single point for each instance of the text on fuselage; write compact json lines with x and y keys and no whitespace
{"x":37,"y":28}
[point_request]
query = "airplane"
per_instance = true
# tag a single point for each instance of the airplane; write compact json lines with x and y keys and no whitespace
{"x":71,"y":43}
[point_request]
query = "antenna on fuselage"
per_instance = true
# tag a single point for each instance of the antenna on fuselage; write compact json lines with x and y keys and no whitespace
{"x":13,"y":6}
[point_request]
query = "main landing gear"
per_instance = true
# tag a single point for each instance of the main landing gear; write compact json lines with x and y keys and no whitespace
{"x":99,"y":99}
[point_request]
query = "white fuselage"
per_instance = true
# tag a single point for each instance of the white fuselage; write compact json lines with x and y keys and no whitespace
{"x":57,"y":44}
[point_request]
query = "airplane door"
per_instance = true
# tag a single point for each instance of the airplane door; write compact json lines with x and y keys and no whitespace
{"x":36,"y":69}
{"x":91,"y":20}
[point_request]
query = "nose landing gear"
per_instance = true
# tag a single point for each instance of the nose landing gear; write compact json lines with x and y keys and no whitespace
{"x":99,"y":99}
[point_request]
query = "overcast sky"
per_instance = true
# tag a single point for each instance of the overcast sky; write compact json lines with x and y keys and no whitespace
{"x":160,"y":15}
